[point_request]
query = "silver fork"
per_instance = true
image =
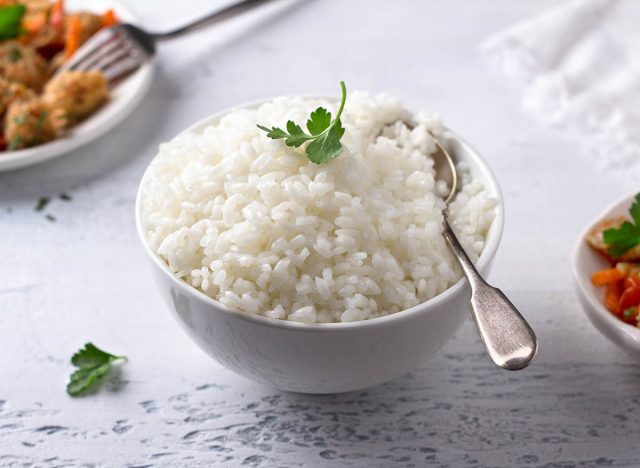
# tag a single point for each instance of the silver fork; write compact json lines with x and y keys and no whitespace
{"x":121,"y":49}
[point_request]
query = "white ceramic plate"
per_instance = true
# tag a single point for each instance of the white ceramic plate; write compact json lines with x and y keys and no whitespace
{"x":585,"y":262}
{"x":123,"y":100}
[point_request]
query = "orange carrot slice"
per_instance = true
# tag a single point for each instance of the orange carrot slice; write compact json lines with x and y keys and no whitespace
{"x":606,"y":276}
{"x":109,"y":19}
{"x":35,"y":23}
{"x":72,"y":41}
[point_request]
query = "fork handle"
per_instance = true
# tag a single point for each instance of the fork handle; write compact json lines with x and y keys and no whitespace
{"x":212,"y":18}
{"x":510,"y":341}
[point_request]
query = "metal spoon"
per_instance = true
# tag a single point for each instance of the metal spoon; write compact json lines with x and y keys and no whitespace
{"x":510,"y":341}
{"x":508,"y":338}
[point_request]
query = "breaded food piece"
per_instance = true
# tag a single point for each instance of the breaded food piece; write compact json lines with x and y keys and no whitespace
{"x":23,"y":64}
{"x":73,"y":95}
{"x":11,"y":91}
{"x":28,"y":123}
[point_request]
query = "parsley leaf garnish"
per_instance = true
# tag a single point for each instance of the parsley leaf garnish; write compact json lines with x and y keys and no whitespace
{"x":620,"y":240}
{"x":92,"y":364}
{"x":323,"y":137}
{"x":15,"y":143}
{"x":42,"y":203}
{"x":10,"y":18}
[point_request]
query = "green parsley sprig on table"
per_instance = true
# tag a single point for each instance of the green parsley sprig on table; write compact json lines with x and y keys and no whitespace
{"x":622,"y":239}
{"x":92,"y":363}
{"x":323,"y":137}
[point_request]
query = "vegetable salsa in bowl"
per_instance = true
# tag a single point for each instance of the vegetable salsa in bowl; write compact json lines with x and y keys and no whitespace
{"x":606,"y":273}
{"x":618,"y":239}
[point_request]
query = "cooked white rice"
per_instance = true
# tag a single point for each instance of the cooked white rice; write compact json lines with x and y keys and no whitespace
{"x":257,"y":226}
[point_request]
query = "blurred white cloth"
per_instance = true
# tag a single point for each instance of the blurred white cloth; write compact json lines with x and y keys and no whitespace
{"x":580,"y":64}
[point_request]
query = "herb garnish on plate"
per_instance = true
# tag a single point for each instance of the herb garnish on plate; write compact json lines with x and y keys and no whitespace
{"x":622,"y":239}
{"x":323,"y":137}
{"x":10,"y":18}
{"x":92,"y":363}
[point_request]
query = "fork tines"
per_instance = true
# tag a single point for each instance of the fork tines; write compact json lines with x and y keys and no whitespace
{"x":113,"y":51}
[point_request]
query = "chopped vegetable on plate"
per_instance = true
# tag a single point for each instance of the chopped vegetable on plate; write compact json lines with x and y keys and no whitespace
{"x":36,"y":104}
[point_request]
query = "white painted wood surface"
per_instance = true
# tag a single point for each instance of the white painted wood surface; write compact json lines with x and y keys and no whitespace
{"x":84,"y":277}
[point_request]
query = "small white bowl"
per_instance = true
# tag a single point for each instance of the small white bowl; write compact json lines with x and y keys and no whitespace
{"x":585,"y":262}
{"x":331,"y":357}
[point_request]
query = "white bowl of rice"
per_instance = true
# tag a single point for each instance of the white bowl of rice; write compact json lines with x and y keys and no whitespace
{"x":315,"y":278}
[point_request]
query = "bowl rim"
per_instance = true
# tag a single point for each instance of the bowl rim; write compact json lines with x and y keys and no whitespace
{"x":492,"y":241}
{"x":622,"y":330}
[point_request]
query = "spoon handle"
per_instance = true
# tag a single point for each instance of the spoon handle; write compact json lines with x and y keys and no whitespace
{"x":509,"y":339}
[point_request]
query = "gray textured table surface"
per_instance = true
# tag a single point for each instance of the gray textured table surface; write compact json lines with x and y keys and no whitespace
{"x":84,"y":276}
